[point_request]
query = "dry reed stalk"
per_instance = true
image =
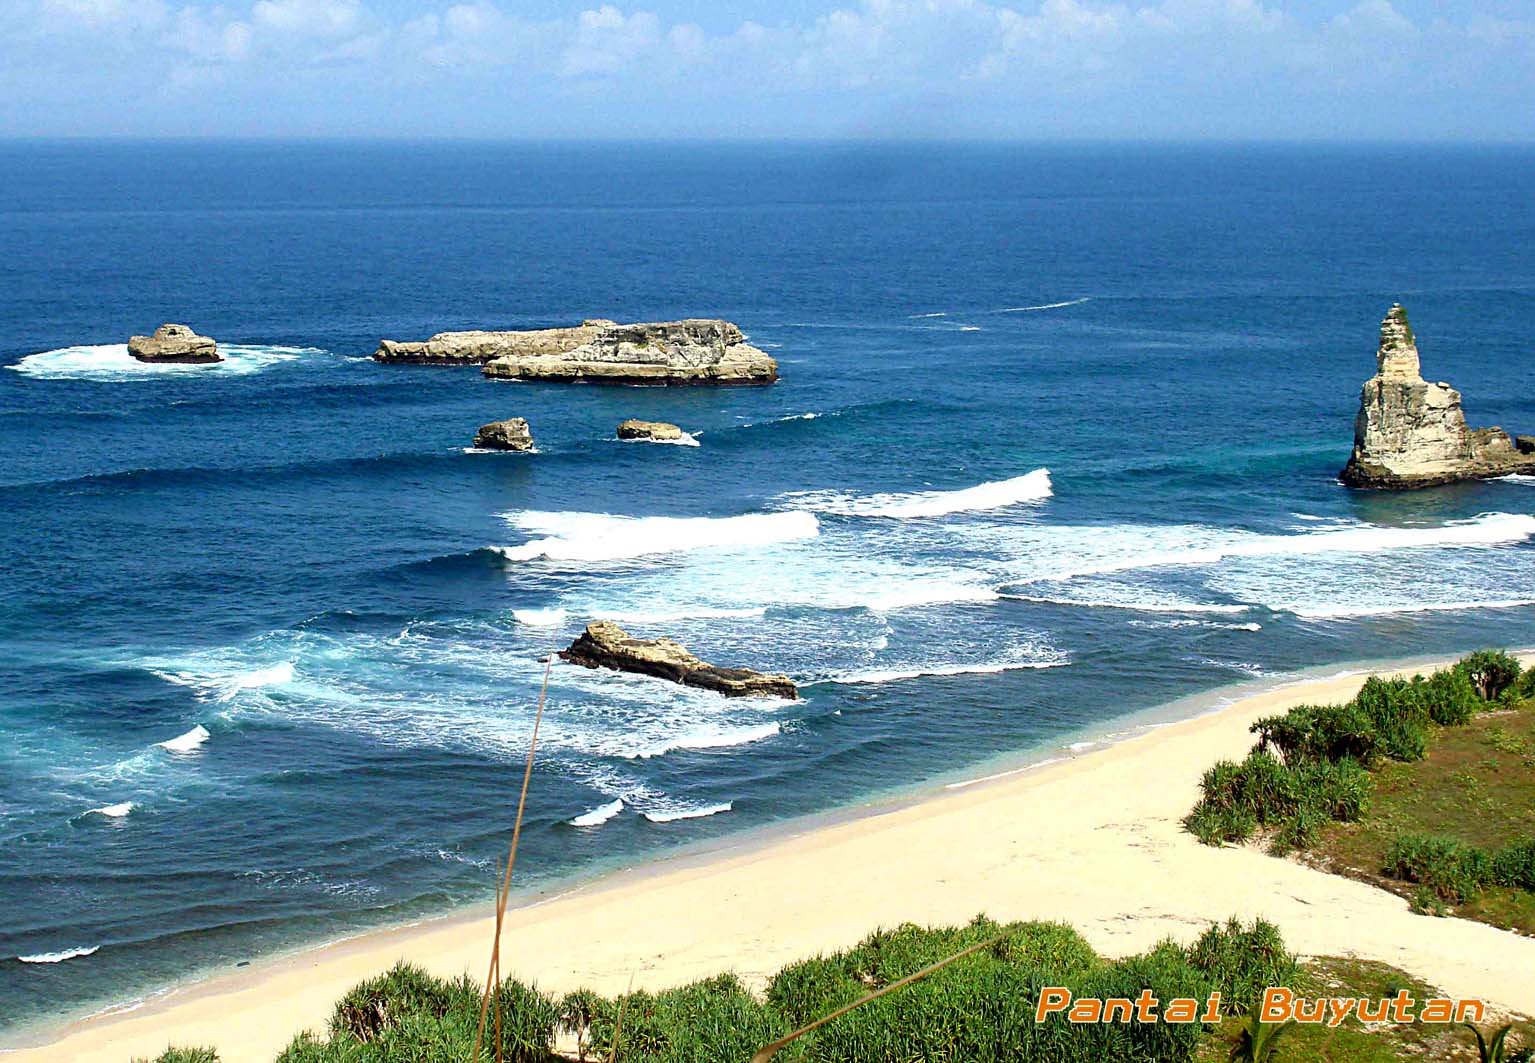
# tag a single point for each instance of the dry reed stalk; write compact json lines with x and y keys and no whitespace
{"x":767,"y":1052}
{"x":503,"y":892}
{"x":618,"y":1023}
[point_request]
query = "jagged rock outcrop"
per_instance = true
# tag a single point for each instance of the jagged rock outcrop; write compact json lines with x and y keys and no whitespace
{"x":695,"y":351}
{"x":606,"y":645}
{"x":510,"y":434}
{"x":659,"y":431}
{"x":1411,"y":433}
{"x":476,"y":348}
{"x":174,"y":343}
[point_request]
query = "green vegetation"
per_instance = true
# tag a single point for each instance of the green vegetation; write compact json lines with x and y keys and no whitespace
{"x":980,"y":1008}
{"x":1422,"y":785}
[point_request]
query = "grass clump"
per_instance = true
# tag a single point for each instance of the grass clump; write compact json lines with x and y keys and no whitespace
{"x":184,"y":1055}
{"x":1445,"y":867}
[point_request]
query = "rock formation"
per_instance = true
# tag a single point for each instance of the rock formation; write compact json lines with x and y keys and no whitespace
{"x":695,"y":351}
{"x":476,"y":348}
{"x":655,"y":430}
{"x":606,"y":645}
{"x":511,"y":434}
{"x":174,"y":343}
{"x":1410,"y":433}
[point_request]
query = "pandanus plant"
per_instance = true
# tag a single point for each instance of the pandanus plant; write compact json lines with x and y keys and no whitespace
{"x":1257,"y":1040}
{"x":1495,"y":1050}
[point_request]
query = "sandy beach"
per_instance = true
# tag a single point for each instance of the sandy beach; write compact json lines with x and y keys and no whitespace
{"x":1093,"y":840}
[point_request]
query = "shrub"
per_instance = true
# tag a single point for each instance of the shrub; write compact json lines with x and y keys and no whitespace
{"x":715,"y":1019}
{"x":1452,"y":697}
{"x":1514,"y":866}
{"x":184,"y":1055}
{"x":372,"y":1007}
{"x":1339,"y":790}
{"x":1242,"y":961}
{"x":1452,"y":871}
{"x":1492,"y":673}
{"x":1397,"y":712}
{"x":1319,"y":732}
{"x":1052,"y":948}
{"x":802,"y":992}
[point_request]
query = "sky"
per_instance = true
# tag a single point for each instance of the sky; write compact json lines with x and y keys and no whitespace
{"x":1400,"y":70}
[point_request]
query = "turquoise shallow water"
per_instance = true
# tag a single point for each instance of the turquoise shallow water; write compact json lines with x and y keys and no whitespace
{"x":1055,"y":442}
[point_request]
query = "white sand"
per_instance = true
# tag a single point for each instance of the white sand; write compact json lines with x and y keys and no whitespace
{"x":1094,"y":841}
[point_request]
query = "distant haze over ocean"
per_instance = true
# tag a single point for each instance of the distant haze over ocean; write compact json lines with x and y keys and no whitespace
{"x":1056,"y":441}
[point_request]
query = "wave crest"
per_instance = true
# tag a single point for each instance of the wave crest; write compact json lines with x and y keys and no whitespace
{"x":607,"y":537}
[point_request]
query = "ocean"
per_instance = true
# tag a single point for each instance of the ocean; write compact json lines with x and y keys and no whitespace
{"x":1056,"y":442}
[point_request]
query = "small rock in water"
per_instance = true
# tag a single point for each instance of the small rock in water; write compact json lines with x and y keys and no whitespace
{"x":606,"y":645}
{"x":174,"y":344}
{"x":510,"y":434}
{"x":657,"y":430}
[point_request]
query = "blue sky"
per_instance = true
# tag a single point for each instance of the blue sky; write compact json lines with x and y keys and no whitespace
{"x":997,"y":69}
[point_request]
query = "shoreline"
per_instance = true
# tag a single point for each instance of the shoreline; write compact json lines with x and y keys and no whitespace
{"x":1081,"y":835}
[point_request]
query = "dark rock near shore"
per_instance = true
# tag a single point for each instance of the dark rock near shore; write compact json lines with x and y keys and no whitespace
{"x":511,"y":434}
{"x":174,"y":344}
{"x":606,"y":645}
{"x":1411,"y":433}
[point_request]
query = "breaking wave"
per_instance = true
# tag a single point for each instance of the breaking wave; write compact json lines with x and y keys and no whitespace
{"x":688,"y":813}
{"x":117,"y":811}
{"x":111,"y":363}
{"x":1031,"y":487}
{"x":59,"y":957}
{"x":894,"y":675}
{"x":606,"y":537}
{"x":186,"y":743}
{"x":1042,"y":306}
{"x":599,"y":815}
{"x":687,"y":439}
{"x":719,"y":739}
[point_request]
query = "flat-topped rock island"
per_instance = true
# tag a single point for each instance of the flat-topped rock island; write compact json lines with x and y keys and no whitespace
{"x":705,"y":351}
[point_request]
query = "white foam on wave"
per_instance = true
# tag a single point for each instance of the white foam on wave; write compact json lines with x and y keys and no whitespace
{"x":938,"y":313}
{"x":1043,"y":306}
{"x":61,"y":956}
{"x":707,"y":739}
{"x":687,"y":439}
{"x":111,"y":363}
{"x":1348,"y":612}
{"x":688,"y":813}
{"x":117,"y":811}
{"x":276,"y":675}
{"x":186,"y":743}
{"x":1029,"y":488}
{"x":1516,"y":478}
{"x":1134,"y":605}
{"x":554,"y":617}
{"x":893,"y":675}
{"x":1128,"y":548}
{"x":672,"y":616}
{"x":599,"y":815}
{"x":606,"y":537}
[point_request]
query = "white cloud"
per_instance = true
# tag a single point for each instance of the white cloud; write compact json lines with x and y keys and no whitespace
{"x":607,"y":41}
{"x":318,"y":18}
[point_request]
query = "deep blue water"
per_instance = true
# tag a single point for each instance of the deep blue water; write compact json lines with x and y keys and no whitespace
{"x":295,"y":552}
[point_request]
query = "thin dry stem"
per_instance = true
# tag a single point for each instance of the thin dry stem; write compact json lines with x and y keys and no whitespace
{"x":503,"y":892}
